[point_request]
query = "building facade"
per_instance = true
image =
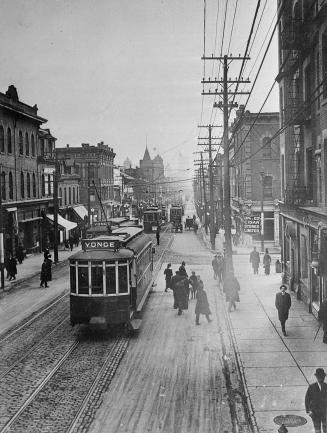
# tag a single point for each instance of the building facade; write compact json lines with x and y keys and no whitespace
{"x":26,"y":167}
{"x":303,"y":121}
{"x":255,"y":177}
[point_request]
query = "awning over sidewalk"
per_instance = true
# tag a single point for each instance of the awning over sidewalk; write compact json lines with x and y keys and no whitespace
{"x":65,"y":224}
{"x":81,"y":211}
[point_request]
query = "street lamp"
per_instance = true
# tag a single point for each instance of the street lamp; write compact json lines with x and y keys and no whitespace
{"x":263,"y":175}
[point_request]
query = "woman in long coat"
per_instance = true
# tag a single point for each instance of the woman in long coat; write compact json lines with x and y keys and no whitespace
{"x":231,"y":289}
{"x":181,"y":296}
{"x":12,"y":268}
{"x":202,"y":304}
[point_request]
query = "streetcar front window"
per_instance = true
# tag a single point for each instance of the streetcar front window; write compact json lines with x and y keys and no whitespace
{"x":83,"y":280}
{"x":97,"y":278}
{"x":123,"y":278}
{"x":110,"y":280}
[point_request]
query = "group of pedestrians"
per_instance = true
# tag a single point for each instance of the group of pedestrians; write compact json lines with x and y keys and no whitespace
{"x":183,"y":287}
{"x":255,"y":261}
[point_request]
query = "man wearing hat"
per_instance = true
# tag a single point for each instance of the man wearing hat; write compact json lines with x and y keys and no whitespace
{"x":283,"y":305}
{"x":316,"y":401}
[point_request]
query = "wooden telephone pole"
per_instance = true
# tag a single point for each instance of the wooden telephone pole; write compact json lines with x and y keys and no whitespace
{"x":226,"y":107}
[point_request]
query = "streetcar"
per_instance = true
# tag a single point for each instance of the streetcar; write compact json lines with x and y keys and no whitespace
{"x":152,"y":218}
{"x":176,"y":214}
{"x":110,"y":279}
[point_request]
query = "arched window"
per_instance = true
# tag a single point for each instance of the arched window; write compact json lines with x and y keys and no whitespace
{"x":60,"y":197}
{"x":28,"y":185}
{"x":42,"y":146}
{"x":20,"y":143}
{"x":33,"y":145}
{"x":266,"y":147}
{"x":49,"y":184}
{"x":11,"y":186}
{"x":43,"y":185}
{"x":2,"y":139}
{"x":9,"y":143}
{"x":65,"y":197}
{"x":74,"y":196}
{"x":267,"y":187}
{"x":27,"y":144}
{"x":22,"y":185}
{"x":3,"y":185}
{"x":34,"y":185}
{"x":69,"y":195}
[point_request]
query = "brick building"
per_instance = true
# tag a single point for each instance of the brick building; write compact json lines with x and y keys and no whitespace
{"x":255,"y":175}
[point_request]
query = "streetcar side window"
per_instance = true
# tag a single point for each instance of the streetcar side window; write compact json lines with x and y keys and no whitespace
{"x":123,"y":278}
{"x":83,"y":280}
{"x":73,"y":277}
{"x":96,"y":278}
{"x":110,"y":279}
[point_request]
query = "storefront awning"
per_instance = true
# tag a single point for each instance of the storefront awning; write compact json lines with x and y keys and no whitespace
{"x":65,"y":224}
{"x":81,"y":211}
{"x":28,"y":220}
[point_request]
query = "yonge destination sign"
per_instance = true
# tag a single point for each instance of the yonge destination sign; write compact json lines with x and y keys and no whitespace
{"x":252,"y":224}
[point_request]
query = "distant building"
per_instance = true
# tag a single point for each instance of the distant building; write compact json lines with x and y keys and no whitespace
{"x":255,"y":175}
{"x":153,"y":173}
{"x":127,"y":164}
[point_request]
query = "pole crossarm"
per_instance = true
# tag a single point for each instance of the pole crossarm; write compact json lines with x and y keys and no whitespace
{"x":229,"y":92}
{"x":223,"y":58}
{"x":209,"y":81}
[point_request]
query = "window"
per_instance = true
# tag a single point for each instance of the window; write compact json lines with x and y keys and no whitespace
{"x":27,"y":144}
{"x":34,"y":185}
{"x":74,"y":196}
{"x":20,"y":143}
{"x":318,"y":78}
{"x":2,"y":139}
{"x":304,"y":257}
{"x":267,"y":187}
{"x":32,"y":145}
{"x":83,"y":280}
{"x":309,"y":172}
{"x":11,"y":186}
{"x":42,"y":146}
{"x":49,"y":184}
{"x":3,"y":185}
{"x":266,"y":147}
{"x":22,"y":185}
{"x":69,"y":196}
{"x":110,"y":279}
{"x":97,"y":278}
{"x":28,"y":185}
{"x":122,"y":279}
{"x":77,"y":194}
{"x":324,"y":63}
{"x":9,"y":143}
{"x":60,"y":197}
{"x":43,"y":185}
{"x":307,"y":84}
{"x":65,"y":197}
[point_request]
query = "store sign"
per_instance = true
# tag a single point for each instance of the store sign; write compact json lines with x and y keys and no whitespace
{"x":252,"y":224}
{"x":99,"y":244}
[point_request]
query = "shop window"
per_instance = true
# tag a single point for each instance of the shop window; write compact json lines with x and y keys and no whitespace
{"x":3,"y":185}
{"x":27,"y":144}
{"x":97,"y":278}
{"x":28,"y":185}
{"x":266,"y":147}
{"x":83,"y":280}
{"x":22,"y":185}
{"x":9,"y":141}
{"x":34,"y":185}
{"x":33,"y":145}
{"x":2,"y":139}
{"x":11,"y":186}
{"x":20,"y":143}
{"x":110,"y":280}
{"x":304,"y":257}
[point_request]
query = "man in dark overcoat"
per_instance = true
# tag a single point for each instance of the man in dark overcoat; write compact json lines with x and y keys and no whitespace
{"x":44,"y":274}
{"x":181,"y":295}
{"x":255,"y":260}
{"x":231,"y":288}
{"x":174,"y":280}
{"x":322,"y":317}
{"x":283,"y":304}
{"x":12,"y":268}
{"x":316,"y":401}
{"x":202,"y":304}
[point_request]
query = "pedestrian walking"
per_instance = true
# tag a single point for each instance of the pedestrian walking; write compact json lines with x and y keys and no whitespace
{"x":20,"y":253}
{"x":181,"y":296}
{"x":49,"y":268}
{"x":195,"y":227}
{"x":322,"y":317}
{"x":231,"y":288}
{"x":214,"y":265}
{"x":168,"y":275}
{"x":71,"y":243}
{"x":182,"y":270}
{"x":202,"y":304}
{"x":266,"y":262}
{"x":12,"y":268}
{"x":194,"y":284}
{"x":44,"y":274}
{"x":283,"y":304}
{"x":174,"y":280}
{"x":316,"y":401}
{"x":255,"y":260}
{"x":220,"y":267}
{"x":66,"y":245}
{"x":158,"y":235}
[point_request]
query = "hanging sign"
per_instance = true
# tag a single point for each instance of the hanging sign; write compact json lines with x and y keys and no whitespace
{"x":252,"y":224}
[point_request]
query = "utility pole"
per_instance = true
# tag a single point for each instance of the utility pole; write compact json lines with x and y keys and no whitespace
{"x":212,"y":210}
{"x":88,"y":195}
{"x":55,"y":210}
{"x":204,"y":192}
{"x":226,"y":107}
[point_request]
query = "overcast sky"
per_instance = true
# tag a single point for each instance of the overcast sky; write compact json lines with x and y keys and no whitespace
{"x":124,"y":72}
